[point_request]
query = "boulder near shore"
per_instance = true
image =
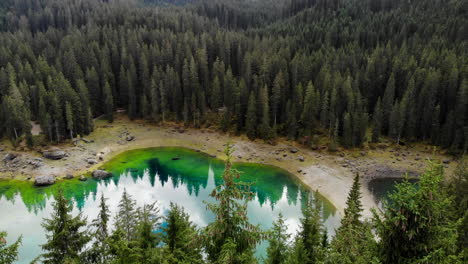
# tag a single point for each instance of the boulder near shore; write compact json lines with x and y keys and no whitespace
{"x":101,"y":174}
{"x":44,"y":180}
{"x":54,"y":154}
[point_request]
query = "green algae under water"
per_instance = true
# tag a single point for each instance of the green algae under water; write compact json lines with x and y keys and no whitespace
{"x":151,"y":175}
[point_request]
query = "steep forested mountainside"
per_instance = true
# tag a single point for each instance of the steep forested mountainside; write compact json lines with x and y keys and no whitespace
{"x":346,"y":70}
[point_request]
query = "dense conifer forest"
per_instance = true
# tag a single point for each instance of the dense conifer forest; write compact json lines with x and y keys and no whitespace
{"x":349,"y":71}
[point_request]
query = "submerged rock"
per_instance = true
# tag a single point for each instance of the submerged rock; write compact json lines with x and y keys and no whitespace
{"x":176,"y":158}
{"x":44,"y":180}
{"x":83,"y":178}
{"x":54,"y":155}
{"x":101,"y":174}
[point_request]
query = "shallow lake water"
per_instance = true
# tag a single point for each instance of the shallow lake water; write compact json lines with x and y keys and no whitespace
{"x":164,"y":175}
{"x":382,"y":187}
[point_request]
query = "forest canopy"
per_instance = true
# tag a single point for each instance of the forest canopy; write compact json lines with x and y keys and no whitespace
{"x":351,"y":71}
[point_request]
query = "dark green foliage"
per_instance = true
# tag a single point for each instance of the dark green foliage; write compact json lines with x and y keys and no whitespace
{"x":231,"y":238}
{"x":125,"y":219}
{"x":99,"y":253}
{"x":310,"y":234}
{"x":251,"y":120}
{"x":66,"y":238}
{"x":181,"y":237}
{"x":416,"y":226}
{"x":278,"y":248}
{"x":193,"y":64}
{"x":8,"y":254}
{"x":354,"y":241}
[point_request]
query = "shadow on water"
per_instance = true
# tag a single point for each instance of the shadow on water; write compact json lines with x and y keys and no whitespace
{"x":382,"y":187}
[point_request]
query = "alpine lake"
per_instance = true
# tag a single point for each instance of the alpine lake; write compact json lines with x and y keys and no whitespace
{"x":163,"y":175}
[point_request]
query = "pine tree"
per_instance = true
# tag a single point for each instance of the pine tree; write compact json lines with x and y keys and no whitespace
{"x":298,"y":253}
{"x":132,"y":98}
{"x":180,"y":236}
{"x":251,"y":118}
{"x":278,"y":87}
{"x":394,"y":121}
{"x":310,"y":233}
{"x":278,"y":243}
{"x":108,"y":102}
{"x":231,"y":237}
{"x":69,"y":118}
{"x":387,"y":102}
{"x":155,"y":101}
{"x":99,"y":252}
{"x":415,"y":226}
{"x":215,"y":94}
{"x":146,"y":239}
{"x":353,"y":242}
{"x":65,"y":238}
{"x":8,"y":254}
{"x":87,"y":117}
{"x":264,"y":129}
{"x":347,"y":131}
{"x":125,"y":220}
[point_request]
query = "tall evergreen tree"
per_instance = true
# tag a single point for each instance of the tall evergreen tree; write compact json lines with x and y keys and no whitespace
{"x":414,"y":226}
{"x":8,"y":254}
{"x":278,"y":243}
{"x":251,"y":117}
{"x":231,"y":238}
{"x":181,"y":237}
{"x":65,"y":236}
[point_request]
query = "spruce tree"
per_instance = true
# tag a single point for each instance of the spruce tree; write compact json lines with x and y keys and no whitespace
{"x":65,"y":236}
{"x":264,"y":129}
{"x":125,"y":218}
{"x":353,"y":241}
{"x":347,"y":131}
{"x":251,"y":118}
{"x":231,"y":237}
{"x":310,"y":233}
{"x":278,"y":243}
{"x":415,"y":226}
{"x":69,"y":118}
{"x":108,"y":102}
{"x":180,"y":236}
{"x":387,"y":102}
{"x":99,"y":252}
{"x":8,"y":254}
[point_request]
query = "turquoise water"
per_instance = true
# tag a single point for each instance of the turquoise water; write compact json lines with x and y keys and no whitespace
{"x":151,"y":175}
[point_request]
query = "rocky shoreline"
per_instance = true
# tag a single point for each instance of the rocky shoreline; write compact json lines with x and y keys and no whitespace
{"x":329,"y":173}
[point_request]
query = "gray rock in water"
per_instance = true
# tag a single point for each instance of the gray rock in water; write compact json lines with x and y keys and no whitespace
{"x":54,"y":155}
{"x":10,"y":157}
{"x":83,"y":178}
{"x":101,"y":174}
{"x":44,"y":180}
{"x":68,"y":176}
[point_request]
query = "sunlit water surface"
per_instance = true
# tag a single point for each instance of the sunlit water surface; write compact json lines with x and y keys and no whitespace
{"x":151,"y":175}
